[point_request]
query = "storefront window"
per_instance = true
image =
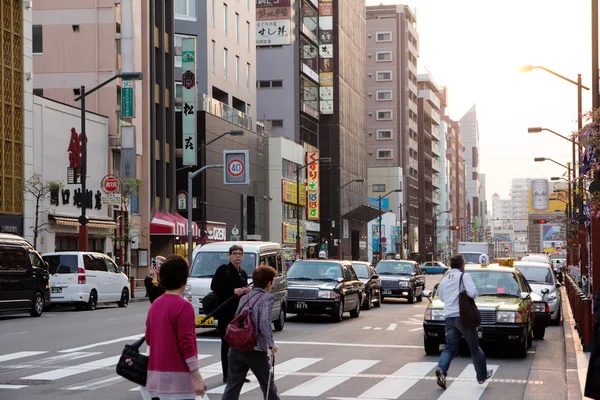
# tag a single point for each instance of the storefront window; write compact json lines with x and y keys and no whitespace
{"x":310,"y":54}
{"x":71,"y":243}
{"x":289,"y":211}
{"x":310,"y":17}
{"x":289,"y":170}
{"x":310,"y":93}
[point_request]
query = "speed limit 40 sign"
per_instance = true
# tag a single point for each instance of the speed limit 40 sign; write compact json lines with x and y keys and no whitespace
{"x":235,"y":167}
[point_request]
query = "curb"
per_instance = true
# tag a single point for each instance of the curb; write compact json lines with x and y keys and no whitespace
{"x":138,"y":299}
{"x":576,"y":359}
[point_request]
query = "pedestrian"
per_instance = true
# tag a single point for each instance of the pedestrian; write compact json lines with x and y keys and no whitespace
{"x":173,"y":371}
{"x":257,"y":360}
{"x":592,"y":383}
{"x":152,"y":282}
{"x":448,"y":291}
{"x":229,"y":279}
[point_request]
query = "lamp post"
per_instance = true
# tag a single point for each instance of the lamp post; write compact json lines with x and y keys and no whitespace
{"x":83,"y":219}
{"x":380,"y":234}
{"x":298,"y":169}
{"x":358,"y":180}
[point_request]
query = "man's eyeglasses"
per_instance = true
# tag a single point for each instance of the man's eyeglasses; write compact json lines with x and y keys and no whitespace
{"x":237,"y":254}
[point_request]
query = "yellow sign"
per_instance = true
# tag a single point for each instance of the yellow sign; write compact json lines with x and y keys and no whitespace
{"x":289,"y":192}
{"x":506,"y":262}
{"x":313,"y":173}
{"x":288,"y":232}
{"x":541,"y":200}
{"x":207,"y":322}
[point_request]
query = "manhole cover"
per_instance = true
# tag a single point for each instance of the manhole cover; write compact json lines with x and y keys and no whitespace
{"x":35,"y":382}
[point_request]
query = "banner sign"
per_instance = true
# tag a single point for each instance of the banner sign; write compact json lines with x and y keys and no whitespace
{"x":289,"y":192}
{"x":313,"y":185}
{"x":188,"y":109}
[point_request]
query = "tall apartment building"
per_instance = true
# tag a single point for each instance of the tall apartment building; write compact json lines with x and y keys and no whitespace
{"x":519,"y":196}
{"x":469,"y":131}
{"x":392,"y":110}
{"x":445,"y":219}
{"x":457,"y":189}
{"x":502,"y":224}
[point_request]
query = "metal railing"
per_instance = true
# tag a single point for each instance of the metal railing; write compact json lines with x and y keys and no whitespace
{"x":581,"y":306}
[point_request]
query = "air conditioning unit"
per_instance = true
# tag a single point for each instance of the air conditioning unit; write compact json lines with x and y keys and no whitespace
{"x":114,"y":142}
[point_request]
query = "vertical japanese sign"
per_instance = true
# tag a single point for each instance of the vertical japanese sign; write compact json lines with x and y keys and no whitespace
{"x":313,"y":185}
{"x":188,"y":110}
{"x":326,"y":61}
{"x":127,"y":100}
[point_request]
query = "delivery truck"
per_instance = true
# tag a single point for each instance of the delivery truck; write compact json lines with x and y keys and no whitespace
{"x":472,"y":250}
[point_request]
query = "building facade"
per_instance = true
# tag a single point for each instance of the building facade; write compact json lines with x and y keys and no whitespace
{"x":457,"y":190}
{"x":519,"y":196}
{"x":443,"y":246}
{"x":469,"y":131}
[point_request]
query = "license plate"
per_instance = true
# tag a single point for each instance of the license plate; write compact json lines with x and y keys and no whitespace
{"x":56,"y":290}
{"x":387,"y":291}
{"x":207,"y":322}
{"x":479,"y":332}
{"x":301,"y":305}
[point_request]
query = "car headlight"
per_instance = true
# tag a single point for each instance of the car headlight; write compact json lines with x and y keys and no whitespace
{"x":402,"y":283}
{"x":551,"y":298}
{"x":327,"y":294}
{"x":508,"y":316}
{"x":432,"y":314}
{"x":540,"y":307}
{"x":187,"y":293}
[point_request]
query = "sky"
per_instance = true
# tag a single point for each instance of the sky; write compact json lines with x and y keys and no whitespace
{"x":475,"y":48}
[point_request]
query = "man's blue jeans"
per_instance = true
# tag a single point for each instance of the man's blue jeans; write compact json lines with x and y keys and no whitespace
{"x":454,"y":331}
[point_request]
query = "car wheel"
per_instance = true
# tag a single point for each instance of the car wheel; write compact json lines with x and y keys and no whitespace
{"x":432,"y":347}
{"x":338,"y":311}
{"x":424,"y":271}
{"x":556,"y":322}
{"x":539,"y":332}
{"x":37,"y":308}
{"x":368,"y":300}
{"x":92,"y":302}
{"x":411,"y":296}
{"x":280,"y":322}
{"x":356,"y":312}
{"x":522,"y":348}
{"x":378,"y":302}
{"x":124,"y":302}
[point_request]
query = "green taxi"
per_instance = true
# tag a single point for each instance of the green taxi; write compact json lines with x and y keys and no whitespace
{"x":505,"y":303}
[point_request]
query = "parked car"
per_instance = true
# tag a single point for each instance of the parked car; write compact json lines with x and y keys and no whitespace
{"x":324,"y":287}
{"x":86,"y":279}
{"x":434,"y":267}
{"x":401,"y":279}
{"x":543,"y":282}
{"x":211,"y":256}
{"x":23,"y":277}
{"x":372,"y":284}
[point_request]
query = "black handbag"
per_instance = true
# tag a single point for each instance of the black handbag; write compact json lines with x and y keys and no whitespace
{"x":132,"y":365}
{"x":469,"y":314}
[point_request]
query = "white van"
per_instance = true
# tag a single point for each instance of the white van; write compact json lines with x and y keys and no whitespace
{"x":86,"y":279}
{"x":211,"y":256}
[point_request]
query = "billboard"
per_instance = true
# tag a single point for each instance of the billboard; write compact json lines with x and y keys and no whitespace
{"x":553,"y":238}
{"x":313,"y":175}
{"x":289,"y":192}
{"x":544,"y":198}
{"x":273,"y":32}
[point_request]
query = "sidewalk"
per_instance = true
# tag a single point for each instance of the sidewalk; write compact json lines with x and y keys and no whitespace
{"x":577,"y":359}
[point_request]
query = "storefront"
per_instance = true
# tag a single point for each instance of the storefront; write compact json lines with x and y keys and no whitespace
{"x":11,"y":224}
{"x":313,"y":239}
{"x":288,"y":240}
{"x":169,"y":234}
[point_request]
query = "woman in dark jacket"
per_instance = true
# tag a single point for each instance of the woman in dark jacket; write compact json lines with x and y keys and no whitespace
{"x":592,"y":384}
{"x":152,"y":282}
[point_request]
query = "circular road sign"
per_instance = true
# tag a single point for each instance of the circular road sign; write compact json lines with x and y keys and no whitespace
{"x":110,"y":184}
{"x":235,"y":231}
{"x":235,"y":167}
{"x":384,"y":249}
{"x":383,"y":239}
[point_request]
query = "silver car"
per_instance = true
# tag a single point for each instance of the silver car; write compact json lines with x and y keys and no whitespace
{"x":543,"y":282}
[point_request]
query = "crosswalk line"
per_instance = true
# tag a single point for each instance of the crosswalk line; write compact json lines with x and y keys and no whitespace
{"x":12,"y":387}
{"x":338,"y":375}
{"x":95,"y":383}
{"x":75,"y":370}
{"x":392,"y":387}
{"x":55,"y":360}
{"x":207,"y":372}
{"x":285,"y":368}
{"x":20,"y":354}
{"x":392,"y":327}
{"x":466,"y":386}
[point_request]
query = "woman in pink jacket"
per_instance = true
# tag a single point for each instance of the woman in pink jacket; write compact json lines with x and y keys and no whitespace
{"x":171,"y":335}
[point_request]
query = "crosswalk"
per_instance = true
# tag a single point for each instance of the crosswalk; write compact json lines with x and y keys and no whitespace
{"x":297,"y":377}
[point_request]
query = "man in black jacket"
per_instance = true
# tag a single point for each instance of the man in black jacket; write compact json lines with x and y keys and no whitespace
{"x":229,"y":279}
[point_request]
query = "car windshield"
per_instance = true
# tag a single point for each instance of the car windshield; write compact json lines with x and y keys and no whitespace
{"x":471,"y":258}
{"x":541,"y":275}
{"x":495,"y":283}
{"x":535,"y":259}
{"x":314,"y":271}
{"x":62,"y":263}
{"x":394,"y":268}
{"x":361,"y":270}
{"x":206,"y":263}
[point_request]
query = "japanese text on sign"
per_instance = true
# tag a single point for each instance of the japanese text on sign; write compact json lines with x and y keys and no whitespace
{"x":188,"y":111}
{"x":313,"y":185}
{"x":273,"y":32}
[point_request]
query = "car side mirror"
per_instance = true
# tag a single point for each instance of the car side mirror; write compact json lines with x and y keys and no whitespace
{"x":545,"y":291}
{"x":375,"y":277}
{"x":524,"y":295}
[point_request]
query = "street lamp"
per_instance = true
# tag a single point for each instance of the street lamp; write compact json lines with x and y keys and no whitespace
{"x":380,"y":235}
{"x":83,"y":219}
{"x":298,"y":169}
{"x":191,"y":176}
{"x":359,"y":180}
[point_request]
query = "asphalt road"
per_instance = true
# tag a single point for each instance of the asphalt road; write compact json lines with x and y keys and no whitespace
{"x":67,"y":355}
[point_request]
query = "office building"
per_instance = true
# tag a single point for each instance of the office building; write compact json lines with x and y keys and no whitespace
{"x":457,"y":191}
{"x":469,"y":131}
{"x":519,"y":196}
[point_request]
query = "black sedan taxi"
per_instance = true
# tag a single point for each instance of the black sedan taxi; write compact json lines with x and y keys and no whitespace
{"x":324,"y":287}
{"x":401,"y":279}
{"x":372,"y":284}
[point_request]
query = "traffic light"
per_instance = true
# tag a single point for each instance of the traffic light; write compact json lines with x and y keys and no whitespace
{"x":539,"y":221}
{"x":455,"y":228}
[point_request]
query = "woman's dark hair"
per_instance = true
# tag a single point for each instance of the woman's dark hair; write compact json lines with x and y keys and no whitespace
{"x":174,"y":272}
{"x":262,"y":275}
{"x":235,"y":247}
{"x":458,"y":261}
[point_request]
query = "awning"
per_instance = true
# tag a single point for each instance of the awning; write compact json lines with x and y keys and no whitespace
{"x":161,"y":224}
{"x":364,"y":213}
{"x":93,"y":223}
{"x":195,"y":229}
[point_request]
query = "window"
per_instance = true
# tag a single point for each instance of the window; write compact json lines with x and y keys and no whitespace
{"x":225,"y":66}
{"x":178,"y":94}
{"x":247,"y":35}
{"x":110,"y":265}
{"x":384,"y":115}
{"x":237,"y":27}
{"x":277,"y":84}
{"x":248,"y":76}
{"x":384,"y":56}
{"x":384,"y":95}
{"x":225,"y":24}
{"x":384,"y":76}
{"x":379,"y":188}
{"x":12,"y":260}
{"x":384,"y":134}
{"x":269,"y":84}
{"x":178,"y":43}
{"x":277,"y":123}
{"x":38,"y":92}
{"x":36,"y":261}
{"x":214,"y":55}
{"x":237,"y":71}
{"x":248,"y":4}
{"x":185,"y":9}
{"x":384,"y":37}
{"x":38,"y":39}
{"x":384,"y":154}
{"x":212,"y":9}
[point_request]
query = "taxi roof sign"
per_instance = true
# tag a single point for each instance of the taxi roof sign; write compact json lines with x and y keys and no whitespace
{"x":506,"y":262}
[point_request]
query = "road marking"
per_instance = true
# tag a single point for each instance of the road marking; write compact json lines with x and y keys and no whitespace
{"x":391,"y":388}
{"x":89,"y":346}
{"x":367,"y":327}
{"x":338,"y":375}
{"x":416,"y":329}
{"x":53,"y":360}
{"x":392,"y":327}
{"x":13,"y":333}
{"x":20,"y":354}
{"x":284,"y":369}
{"x":75,"y":370}
{"x":330,"y":344}
{"x":377,"y":328}
{"x":95,"y":383}
{"x":466,"y":386}
{"x":418,"y":315}
{"x":531,"y":351}
{"x":12,"y":387}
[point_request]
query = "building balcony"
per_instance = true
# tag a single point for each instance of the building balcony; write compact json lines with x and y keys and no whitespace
{"x":436,"y":148}
{"x":413,"y":125}
{"x":431,"y":98}
{"x":435,"y":130}
{"x":436,"y":165}
{"x":435,"y":181}
{"x":413,"y":144}
{"x":228,"y":113}
{"x":436,"y":198}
